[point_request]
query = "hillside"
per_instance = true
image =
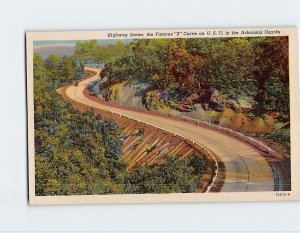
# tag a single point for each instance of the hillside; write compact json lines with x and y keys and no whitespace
{"x":84,"y":152}
{"x":239,"y":83}
{"x":59,"y":50}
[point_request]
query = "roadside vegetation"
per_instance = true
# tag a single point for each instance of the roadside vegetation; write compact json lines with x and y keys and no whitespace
{"x":241,"y":83}
{"x":79,"y":153}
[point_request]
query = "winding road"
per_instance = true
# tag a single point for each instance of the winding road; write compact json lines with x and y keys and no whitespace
{"x":246,"y":169}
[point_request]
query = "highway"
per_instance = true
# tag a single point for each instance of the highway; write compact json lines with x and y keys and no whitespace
{"x":246,"y":168}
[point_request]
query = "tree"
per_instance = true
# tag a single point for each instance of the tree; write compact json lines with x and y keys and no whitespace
{"x":184,"y":69}
{"x":65,"y":69}
{"x":38,"y":66}
{"x":173,"y":176}
{"x":272,"y":75}
{"x":276,"y":97}
{"x":231,"y":67}
{"x":51,"y":65}
{"x":85,"y":50}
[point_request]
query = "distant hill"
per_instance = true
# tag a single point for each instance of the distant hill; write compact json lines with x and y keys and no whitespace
{"x":60,"y":50}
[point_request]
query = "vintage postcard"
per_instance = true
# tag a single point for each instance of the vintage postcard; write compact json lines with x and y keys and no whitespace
{"x":175,"y":115}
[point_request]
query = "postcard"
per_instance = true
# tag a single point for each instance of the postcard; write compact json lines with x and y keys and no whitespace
{"x":161,"y":116}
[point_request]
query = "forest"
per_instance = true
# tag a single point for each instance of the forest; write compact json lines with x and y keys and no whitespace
{"x":79,"y":153}
{"x":242,"y":82}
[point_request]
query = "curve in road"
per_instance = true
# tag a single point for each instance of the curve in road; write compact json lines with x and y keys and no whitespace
{"x":246,"y":168}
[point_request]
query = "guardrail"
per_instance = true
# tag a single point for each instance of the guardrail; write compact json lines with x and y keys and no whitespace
{"x":232,"y":132}
{"x":185,"y":138}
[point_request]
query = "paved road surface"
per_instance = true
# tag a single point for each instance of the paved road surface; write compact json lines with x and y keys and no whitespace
{"x":246,"y":169}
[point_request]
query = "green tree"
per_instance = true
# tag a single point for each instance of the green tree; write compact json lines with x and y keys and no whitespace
{"x":231,"y":67}
{"x":276,"y":97}
{"x":173,"y":176}
{"x":85,"y":50}
{"x":272,"y":75}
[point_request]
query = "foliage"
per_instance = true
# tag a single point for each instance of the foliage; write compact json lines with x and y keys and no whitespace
{"x":281,"y":136}
{"x":272,"y":72}
{"x":175,"y":175}
{"x":79,"y":153}
{"x":74,"y":151}
{"x":230,"y":68}
{"x":140,"y":132}
{"x":238,"y":68}
{"x":61,"y":70}
{"x":90,"y":52}
{"x":276,"y":96}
